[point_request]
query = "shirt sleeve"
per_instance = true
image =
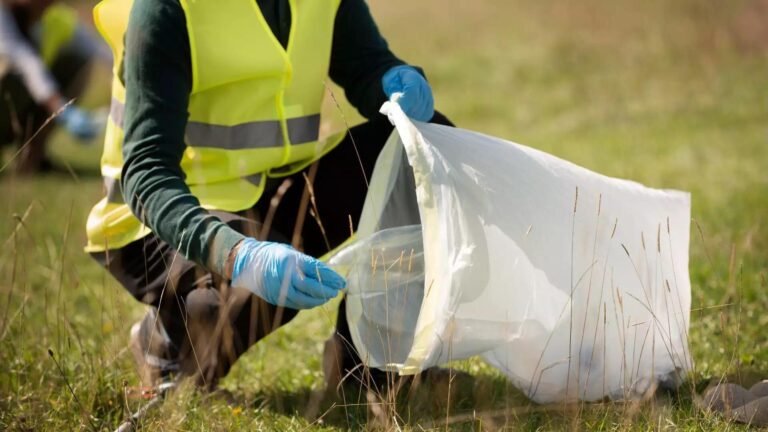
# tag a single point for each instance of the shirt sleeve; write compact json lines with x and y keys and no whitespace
{"x":359,"y":57}
{"x":158,"y":79}
{"x":24,"y":60}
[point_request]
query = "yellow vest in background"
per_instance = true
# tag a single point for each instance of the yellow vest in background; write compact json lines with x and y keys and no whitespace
{"x":254,"y":109}
{"x":58,"y":26}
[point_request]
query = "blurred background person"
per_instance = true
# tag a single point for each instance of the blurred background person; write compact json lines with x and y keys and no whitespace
{"x":44,"y":57}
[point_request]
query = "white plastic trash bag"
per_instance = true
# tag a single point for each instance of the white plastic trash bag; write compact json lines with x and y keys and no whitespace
{"x":573,"y":284}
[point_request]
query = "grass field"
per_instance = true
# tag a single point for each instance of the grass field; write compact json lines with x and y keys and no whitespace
{"x":668,"y":93}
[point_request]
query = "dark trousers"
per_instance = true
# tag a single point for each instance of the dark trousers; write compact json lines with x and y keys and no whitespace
{"x":209,"y":324}
{"x":21,"y":117}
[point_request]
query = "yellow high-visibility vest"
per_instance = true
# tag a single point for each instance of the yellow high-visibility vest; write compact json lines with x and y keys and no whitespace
{"x":58,"y":25}
{"x":254,"y":109}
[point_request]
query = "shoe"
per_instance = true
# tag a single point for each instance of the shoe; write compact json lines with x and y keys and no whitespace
{"x":152,"y":351}
{"x":738,"y":404}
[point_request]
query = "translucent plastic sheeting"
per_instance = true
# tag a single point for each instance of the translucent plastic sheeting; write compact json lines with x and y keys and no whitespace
{"x":573,"y":284}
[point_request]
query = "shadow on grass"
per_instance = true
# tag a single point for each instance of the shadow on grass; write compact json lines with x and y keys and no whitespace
{"x":486,"y":402}
{"x":458,"y":399}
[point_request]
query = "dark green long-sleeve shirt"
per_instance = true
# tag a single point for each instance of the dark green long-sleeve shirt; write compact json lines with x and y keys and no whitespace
{"x":158,"y":78}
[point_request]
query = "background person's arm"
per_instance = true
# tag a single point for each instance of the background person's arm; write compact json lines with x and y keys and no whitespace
{"x":91,"y":45}
{"x":158,"y":79}
{"x":26,"y":62}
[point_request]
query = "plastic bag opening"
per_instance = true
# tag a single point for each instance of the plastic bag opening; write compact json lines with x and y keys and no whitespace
{"x":387,"y":273}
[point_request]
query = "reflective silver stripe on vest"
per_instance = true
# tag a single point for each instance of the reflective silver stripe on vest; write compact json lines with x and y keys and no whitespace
{"x":117,"y":112}
{"x":260,"y":134}
{"x":113,"y":190}
{"x":304,"y":129}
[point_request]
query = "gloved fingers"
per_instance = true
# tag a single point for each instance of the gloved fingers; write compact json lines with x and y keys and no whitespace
{"x":330,"y":278}
{"x":406,"y":103}
{"x":417,"y":99}
{"x":278,"y":290}
{"x":312,"y":287}
{"x":393,"y":81}
{"x":416,"y":107}
{"x":299,"y":300}
{"x":320,"y":271}
{"x":78,"y":122}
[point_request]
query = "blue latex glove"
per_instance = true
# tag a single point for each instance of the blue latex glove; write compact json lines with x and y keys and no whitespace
{"x":417,"y":101}
{"x":78,"y":122}
{"x":283,"y":276}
